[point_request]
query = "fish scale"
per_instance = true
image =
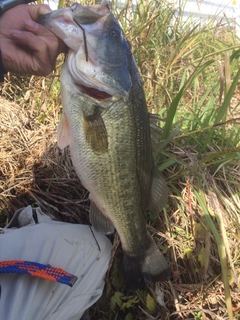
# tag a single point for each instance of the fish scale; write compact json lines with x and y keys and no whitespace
{"x":106,"y":123}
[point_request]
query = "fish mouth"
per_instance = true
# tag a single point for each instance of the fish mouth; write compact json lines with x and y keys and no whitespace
{"x":87,"y":31}
{"x":94,"y":93}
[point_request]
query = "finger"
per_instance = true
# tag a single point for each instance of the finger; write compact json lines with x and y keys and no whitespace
{"x":38,"y":51}
{"x":40,"y":30}
{"x":30,"y":40}
{"x":35,"y":11}
{"x":36,"y":28}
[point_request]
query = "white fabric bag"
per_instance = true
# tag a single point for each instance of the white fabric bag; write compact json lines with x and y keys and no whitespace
{"x":71,"y":247}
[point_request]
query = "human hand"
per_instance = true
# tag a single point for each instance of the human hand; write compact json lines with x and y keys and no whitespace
{"x":26,"y":46}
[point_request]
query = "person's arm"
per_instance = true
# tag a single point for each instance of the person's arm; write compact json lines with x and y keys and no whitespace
{"x":26,"y":46}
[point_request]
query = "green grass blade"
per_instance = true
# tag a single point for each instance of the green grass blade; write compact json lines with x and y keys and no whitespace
{"x":221,"y":250}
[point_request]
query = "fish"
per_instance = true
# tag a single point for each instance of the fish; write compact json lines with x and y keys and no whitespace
{"x":106,"y":124}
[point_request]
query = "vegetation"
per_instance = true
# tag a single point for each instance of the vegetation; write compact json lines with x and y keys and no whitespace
{"x":191,"y":79}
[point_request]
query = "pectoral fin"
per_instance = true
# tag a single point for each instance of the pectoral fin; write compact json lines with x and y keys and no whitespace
{"x":99,"y":222}
{"x":159,"y":193}
{"x":63,"y":133}
{"x":95,"y":131}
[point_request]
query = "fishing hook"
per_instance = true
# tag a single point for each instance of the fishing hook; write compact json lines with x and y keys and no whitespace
{"x":84,"y":40}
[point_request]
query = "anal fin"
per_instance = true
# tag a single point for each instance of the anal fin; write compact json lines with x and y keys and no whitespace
{"x":159,"y":193}
{"x":99,"y":222}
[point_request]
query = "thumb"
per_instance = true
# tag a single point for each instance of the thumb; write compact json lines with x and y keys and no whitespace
{"x":37,"y":10}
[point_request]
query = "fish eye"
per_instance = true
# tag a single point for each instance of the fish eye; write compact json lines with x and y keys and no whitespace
{"x":115,"y":33}
{"x":74,"y":6}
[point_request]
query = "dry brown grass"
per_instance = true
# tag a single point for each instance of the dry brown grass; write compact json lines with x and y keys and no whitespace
{"x":34,"y":170}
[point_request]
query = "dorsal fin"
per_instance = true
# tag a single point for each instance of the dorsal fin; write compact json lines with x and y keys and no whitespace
{"x":159,"y":193}
{"x":155,"y":130}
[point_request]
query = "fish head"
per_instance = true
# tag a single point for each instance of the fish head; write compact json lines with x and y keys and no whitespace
{"x":99,"y":59}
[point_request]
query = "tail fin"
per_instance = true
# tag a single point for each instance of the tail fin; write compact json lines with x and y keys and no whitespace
{"x":150,"y":267}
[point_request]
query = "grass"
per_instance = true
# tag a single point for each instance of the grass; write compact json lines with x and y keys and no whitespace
{"x":191,"y":78}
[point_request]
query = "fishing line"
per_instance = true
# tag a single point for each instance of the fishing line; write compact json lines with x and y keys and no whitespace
{"x":84,"y":40}
{"x":95,"y":238}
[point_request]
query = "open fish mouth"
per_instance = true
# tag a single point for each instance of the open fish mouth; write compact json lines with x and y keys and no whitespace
{"x":94,"y":93}
{"x":88,"y":31}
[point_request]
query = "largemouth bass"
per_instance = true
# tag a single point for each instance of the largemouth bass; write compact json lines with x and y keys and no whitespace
{"x":106,"y":123}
